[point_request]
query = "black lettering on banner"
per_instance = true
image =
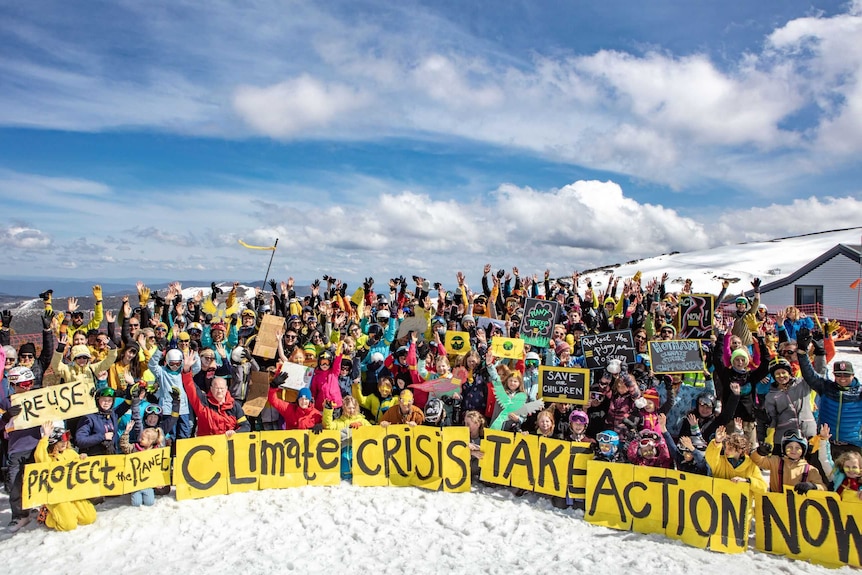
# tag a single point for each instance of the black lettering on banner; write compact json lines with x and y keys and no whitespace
{"x":803,"y":522}
{"x":272,"y":457}
{"x":695,"y":516}
{"x":521,"y":456}
{"x":450,"y":453}
{"x":360,"y":459}
{"x":577,"y":470}
{"x":546,"y":461}
{"x":306,"y":455}
{"x":391,"y":445}
{"x":419,"y":441}
{"x":788,"y":532}
{"x":498,"y":441}
{"x":231,"y":465}
{"x":665,"y":497}
{"x":737,"y":520}
{"x":252,"y":457}
{"x":187,"y":474}
{"x":645,"y":510}
{"x":845,"y":531}
{"x":326,"y":447}
{"x":607,"y":477}
{"x":78,"y":394}
{"x":81,"y":471}
{"x":29,"y":412}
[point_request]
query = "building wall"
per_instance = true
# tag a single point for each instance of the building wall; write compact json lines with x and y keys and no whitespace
{"x":835,"y":275}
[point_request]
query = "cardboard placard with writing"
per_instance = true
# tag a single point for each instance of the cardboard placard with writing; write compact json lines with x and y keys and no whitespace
{"x":266,"y":342}
{"x":507,"y":347}
{"x":417,"y":324}
{"x":457,"y":342}
{"x":537,"y":325}
{"x":694,"y":315}
{"x":54,"y":403}
{"x":601,"y":348}
{"x":564,"y":384}
{"x":676,"y":356}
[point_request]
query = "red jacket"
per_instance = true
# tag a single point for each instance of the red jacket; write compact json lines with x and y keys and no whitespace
{"x":294,"y":416}
{"x":214,"y":418}
{"x":420,"y":398}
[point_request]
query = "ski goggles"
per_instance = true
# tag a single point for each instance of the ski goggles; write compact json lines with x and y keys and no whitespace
{"x":647,"y":442}
{"x":605,"y":438}
{"x":152,"y":410}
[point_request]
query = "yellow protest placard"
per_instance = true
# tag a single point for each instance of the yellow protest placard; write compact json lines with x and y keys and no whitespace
{"x":324,"y":468}
{"x":734,"y":503}
{"x":691,"y":508}
{"x":55,"y":403}
{"x":280,"y":459}
{"x":552,"y":471}
{"x":201,"y":467}
{"x":146,"y":469}
{"x":580,"y":455}
{"x":368,"y":456}
{"x":497,"y":447}
{"x":396,"y":455}
{"x":427,"y":457}
{"x":605,"y":504}
{"x":508,"y":347}
{"x":457,"y":342}
{"x":524,"y":462}
{"x":456,"y":459}
{"x":242,"y":462}
{"x":644,"y":497}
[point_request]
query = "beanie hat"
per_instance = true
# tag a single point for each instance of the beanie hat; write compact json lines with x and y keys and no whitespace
{"x":305,"y":392}
{"x":27,"y":347}
{"x":842,"y":368}
{"x":741,"y":352}
{"x":652,"y":395}
{"x":217,"y":325}
{"x":670,"y":327}
{"x":468,"y":317}
{"x":563,"y":347}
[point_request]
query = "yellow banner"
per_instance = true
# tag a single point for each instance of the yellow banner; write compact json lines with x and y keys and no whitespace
{"x":457,"y":342}
{"x":508,"y":347}
{"x":54,"y":403}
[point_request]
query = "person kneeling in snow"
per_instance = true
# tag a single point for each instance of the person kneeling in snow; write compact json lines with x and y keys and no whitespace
{"x":54,"y":446}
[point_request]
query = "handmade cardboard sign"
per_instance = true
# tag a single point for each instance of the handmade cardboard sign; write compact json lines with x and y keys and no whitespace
{"x":694,"y":315}
{"x":507,"y":347}
{"x":298,"y":375}
{"x":601,"y":348}
{"x":255,"y":398}
{"x":676,"y":356}
{"x":487,"y":322}
{"x":266,"y":341}
{"x":55,"y":403}
{"x":416,"y":324}
{"x":564,"y":384}
{"x":538,"y":323}
{"x":457,"y":342}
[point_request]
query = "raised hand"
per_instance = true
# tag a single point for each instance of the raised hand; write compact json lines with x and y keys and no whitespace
{"x":487,"y":269}
{"x":72,"y":304}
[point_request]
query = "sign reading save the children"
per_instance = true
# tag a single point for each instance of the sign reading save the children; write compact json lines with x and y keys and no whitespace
{"x":601,"y":348}
{"x":564,"y":384}
{"x":676,"y":356}
{"x":538,"y":323}
{"x":54,"y":403}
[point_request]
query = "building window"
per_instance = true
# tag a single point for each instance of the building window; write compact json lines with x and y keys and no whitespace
{"x":809,"y":295}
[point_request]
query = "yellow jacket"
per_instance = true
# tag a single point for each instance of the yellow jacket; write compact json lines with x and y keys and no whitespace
{"x":722,"y":469}
{"x":76,"y":373}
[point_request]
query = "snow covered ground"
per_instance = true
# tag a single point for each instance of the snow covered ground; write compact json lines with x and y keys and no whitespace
{"x":347,"y":529}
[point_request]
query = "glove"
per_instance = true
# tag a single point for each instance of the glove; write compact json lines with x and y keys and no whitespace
{"x":751,"y":322}
{"x":819,"y":348}
{"x":804,"y":487}
{"x":344,"y":290}
{"x":246,"y":353}
{"x":278,"y":380}
{"x":209,"y":318}
{"x":318,"y":427}
{"x":355,"y":425}
{"x":274,"y":286}
{"x":756,"y":284}
{"x":831,"y":326}
{"x":46,"y":318}
{"x":97,"y":292}
{"x":133,"y":390}
{"x":803,"y":339}
{"x":501,"y":273}
{"x":764,"y":449}
{"x":327,"y":404}
{"x":45,"y":296}
{"x":11,"y":414}
{"x":422,"y":350}
{"x":144,"y":296}
{"x":175,"y":393}
{"x":6,"y":318}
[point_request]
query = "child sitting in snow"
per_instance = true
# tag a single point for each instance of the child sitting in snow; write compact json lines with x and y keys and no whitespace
{"x":686,"y":456}
{"x":649,"y":449}
{"x":54,"y":446}
{"x":789,"y":469}
{"x":149,"y":438}
{"x":845,"y":472}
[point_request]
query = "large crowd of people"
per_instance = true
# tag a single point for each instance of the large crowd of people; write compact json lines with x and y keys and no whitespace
{"x":165,"y":367}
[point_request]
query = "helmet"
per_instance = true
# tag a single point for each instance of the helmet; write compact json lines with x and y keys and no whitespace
{"x":375,"y":331}
{"x":608,"y":438}
{"x":104,"y":392}
{"x":326,"y":355}
{"x":614,"y":366}
{"x":174,"y":356}
{"x":578,"y":416}
{"x":58,"y":434}
{"x":21,"y":376}
{"x":648,"y":435}
{"x":236,"y":354}
{"x":794,"y":437}
{"x":434,"y":411}
{"x":742,"y":299}
{"x":383,"y":314}
{"x":779,"y":363}
{"x":706,"y":399}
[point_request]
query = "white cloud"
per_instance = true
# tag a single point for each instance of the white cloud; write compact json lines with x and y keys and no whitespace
{"x":23,"y":237}
{"x":294,"y":106}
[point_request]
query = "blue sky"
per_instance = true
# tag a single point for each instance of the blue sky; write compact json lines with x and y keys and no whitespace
{"x":145,"y":139}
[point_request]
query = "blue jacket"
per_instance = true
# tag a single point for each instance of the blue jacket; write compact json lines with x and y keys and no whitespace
{"x":841,"y":409}
{"x":90,"y":436}
{"x":792,"y":327}
{"x":166,"y":380}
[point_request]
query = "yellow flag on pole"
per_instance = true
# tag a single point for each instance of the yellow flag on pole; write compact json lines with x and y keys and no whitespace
{"x":251,"y":247}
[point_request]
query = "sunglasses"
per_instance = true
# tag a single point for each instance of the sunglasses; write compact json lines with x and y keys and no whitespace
{"x":26,"y":356}
{"x":788,"y":352}
{"x":290,"y":336}
{"x":134,"y":325}
{"x":208,"y":357}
